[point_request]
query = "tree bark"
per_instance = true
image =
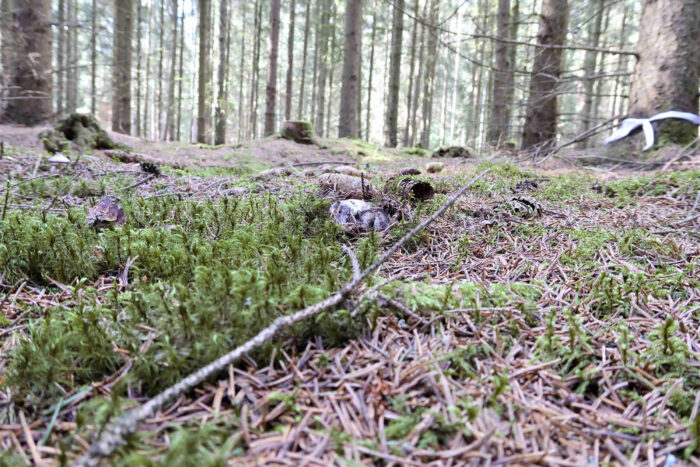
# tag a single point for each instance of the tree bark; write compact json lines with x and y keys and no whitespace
{"x":513,"y":59}
{"x":204,"y":88}
{"x":181,"y":74}
{"x":371,"y":71}
{"x":348,"y":123}
{"x":414,"y":36}
{"x":541,"y":114}
{"x":60,"y":57}
{"x":121,"y":105}
{"x":323,"y":68}
{"x":667,"y":73}
{"x":271,"y":89}
{"x":169,"y":131}
{"x":589,"y":68}
{"x":72,"y":64}
{"x":139,"y":40}
{"x":392,"y":112}
{"x":290,"y":63}
{"x":331,"y":68}
{"x":31,"y":93}
{"x":498,"y":125}
{"x":253,"y":106}
{"x":429,"y":81}
{"x":222,"y":99}
{"x":307,"y":22}
{"x":159,"y":92}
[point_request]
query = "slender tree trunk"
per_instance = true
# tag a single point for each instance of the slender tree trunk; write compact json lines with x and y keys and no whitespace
{"x":72,"y":66}
{"x":139,"y":39}
{"x":348,"y":123}
{"x":161,"y":49}
{"x":512,"y":53}
{"x":169,"y":128}
{"x":429,"y":83}
{"x":621,"y":65}
{"x":667,"y":73}
{"x":418,"y":81}
{"x":271,"y":89}
{"x":290,"y":63}
{"x":222,"y":100}
{"x":391,"y":118}
{"x":331,"y":67}
{"x":241,"y":67}
{"x":589,"y":67}
{"x":412,"y":69}
{"x":204,"y":91}
{"x":60,"y":56}
{"x":541,"y":116}
{"x":371,"y":71}
{"x":498,"y":125}
{"x":455,"y":82}
{"x":181,"y":74}
{"x":253,"y":107}
{"x":323,"y":69}
{"x":31,"y":93}
{"x":147,"y":101}
{"x":317,"y":46}
{"x":307,"y":22}
{"x":121,"y":105}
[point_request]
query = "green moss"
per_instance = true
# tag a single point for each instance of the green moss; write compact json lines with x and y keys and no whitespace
{"x":675,"y":131}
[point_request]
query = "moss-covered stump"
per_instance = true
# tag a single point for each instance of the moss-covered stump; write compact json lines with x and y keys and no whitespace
{"x":85,"y":132}
{"x":453,"y":151}
{"x":299,"y":131}
{"x":54,"y":142}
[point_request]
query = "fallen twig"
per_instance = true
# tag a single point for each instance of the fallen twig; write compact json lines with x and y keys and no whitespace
{"x":113,"y":436}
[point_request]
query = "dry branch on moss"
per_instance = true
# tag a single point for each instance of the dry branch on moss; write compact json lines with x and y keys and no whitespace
{"x":114,"y":435}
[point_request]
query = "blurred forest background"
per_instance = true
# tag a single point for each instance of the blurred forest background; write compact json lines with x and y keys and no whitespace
{"x":525,"y":73}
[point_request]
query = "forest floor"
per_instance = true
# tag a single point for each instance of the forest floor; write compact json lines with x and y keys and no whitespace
{"x":551,"y":316}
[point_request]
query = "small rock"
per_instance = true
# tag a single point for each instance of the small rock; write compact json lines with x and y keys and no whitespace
{"x":405,"y":171}
{"x":435,"y":167}
{"x":344,"y":169}
{"x":453,"y":151}
{"x":59,"y":159}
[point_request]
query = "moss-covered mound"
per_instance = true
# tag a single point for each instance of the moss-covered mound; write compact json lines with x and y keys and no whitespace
{"x":82,"y":130}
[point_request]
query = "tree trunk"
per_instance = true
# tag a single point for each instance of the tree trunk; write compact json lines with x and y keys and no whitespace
{"x":667,"y":73}
{"x":323,"y":68}
{"x":414,"y":36}
{"x":300,"y":104}
{"x":60,"y":56}
{"x":123,"y":26}
{"x":419,"y":77}
{"x":222,"y":99}
{"x":241,"y":119}
{"x":204,"y":91}
{"x":271,"y":89}
{"x":72,"y":65}
{"x":621,"y":66}
{"x":253,"y":106}
{"x":290,"y":63}
{"x":348,"y":123}
{"x":317,"y":46}
{"x":392,"y":111}
{"x":512,"y":59}
{"x":169,"y":131}
{"x":371,"y":71}
{"x":589,"y":68}
{"x":159,"y":93}
{"x":181,"y":74}
{"x":498,"y":126}
{"x":146,"y":100}
{"x":429,"y":82}
{"x":455,"y":82}
{"x":331,"y":68}
{"x":139,"y":39}
{"x":31,"y":96}
{"x":541,"y":114}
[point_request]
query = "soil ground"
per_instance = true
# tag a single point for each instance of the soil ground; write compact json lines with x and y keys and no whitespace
{"x":551,"y":318}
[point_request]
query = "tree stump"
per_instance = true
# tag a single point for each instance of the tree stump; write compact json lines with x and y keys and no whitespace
{"x":299,"y":131}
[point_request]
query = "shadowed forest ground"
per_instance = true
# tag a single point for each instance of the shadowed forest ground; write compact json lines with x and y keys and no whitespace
{"x":550,"y":317}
